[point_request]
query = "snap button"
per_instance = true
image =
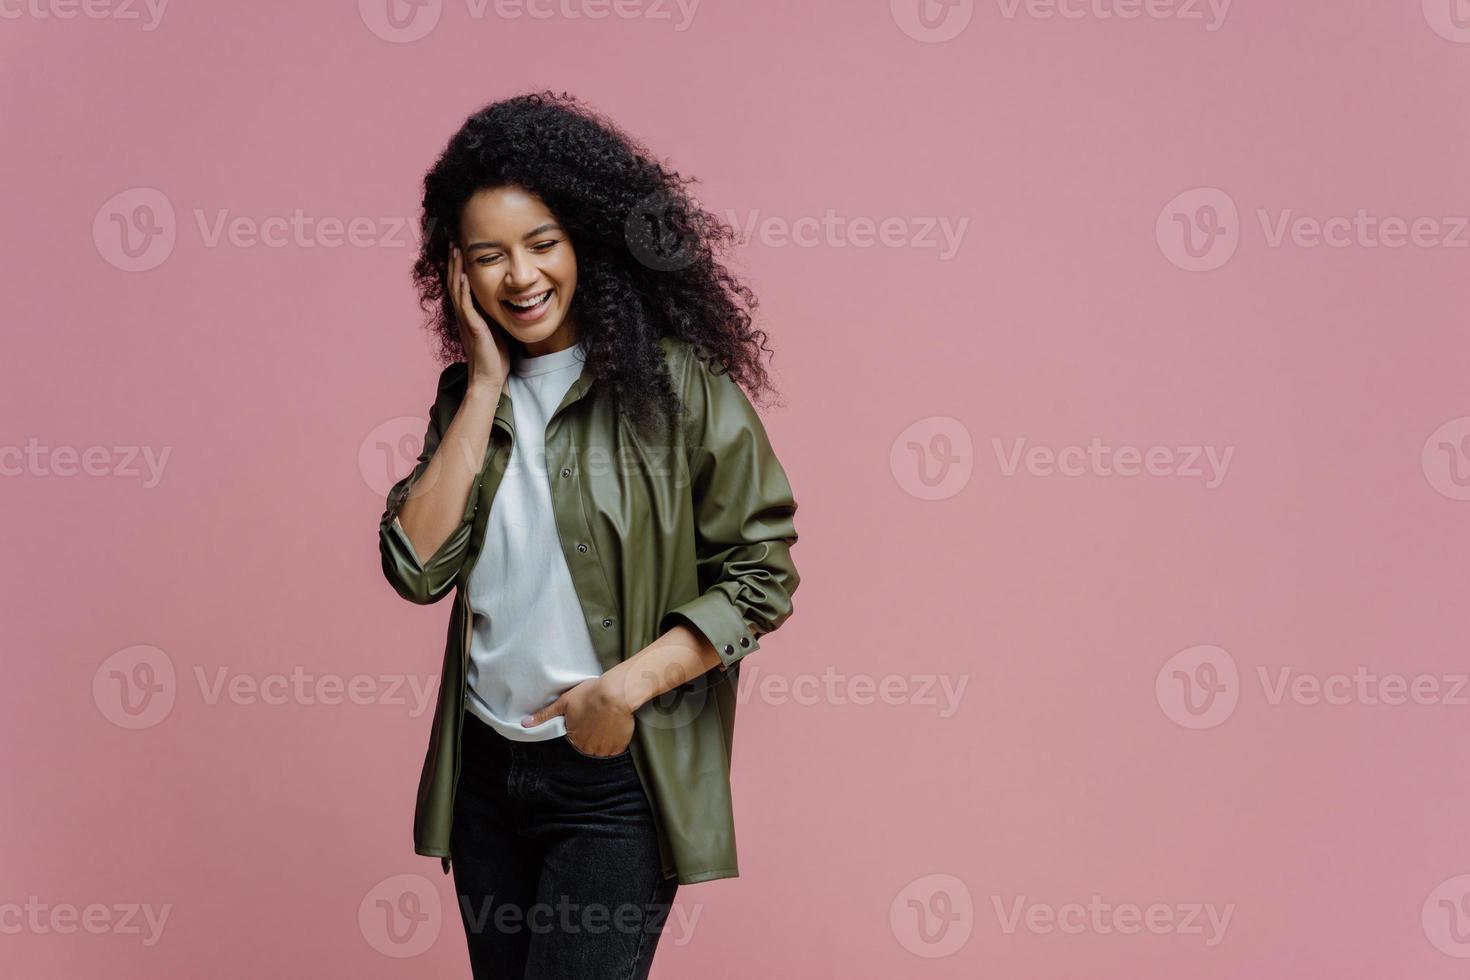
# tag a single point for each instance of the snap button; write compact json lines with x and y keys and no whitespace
{"x":566,"y":471}
{"x":607,"y":623}
{"x":582,"y":548}
{"x":729,"y":648}
{"x":745,"y":641}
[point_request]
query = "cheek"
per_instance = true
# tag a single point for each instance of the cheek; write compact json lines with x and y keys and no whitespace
{"x":480,"y":285}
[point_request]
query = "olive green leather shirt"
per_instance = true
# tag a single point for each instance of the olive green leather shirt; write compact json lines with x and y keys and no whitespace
{"x":699,"y":532}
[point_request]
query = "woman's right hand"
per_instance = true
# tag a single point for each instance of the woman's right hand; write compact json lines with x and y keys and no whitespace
{"x":485,"y":347}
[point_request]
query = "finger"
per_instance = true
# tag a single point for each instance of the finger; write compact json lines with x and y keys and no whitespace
{"x":451,"y":283}
{"x":464,"y":307}
{"x":467,"y":303}
{"x":537,"y":717}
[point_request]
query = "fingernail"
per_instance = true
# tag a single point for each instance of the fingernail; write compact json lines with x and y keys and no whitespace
{"x":527,"y":720}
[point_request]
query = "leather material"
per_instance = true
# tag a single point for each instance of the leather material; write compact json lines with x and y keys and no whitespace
{"x":698,"y":532}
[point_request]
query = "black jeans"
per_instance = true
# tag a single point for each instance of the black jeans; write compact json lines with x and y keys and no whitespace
{"x":556,"y":861}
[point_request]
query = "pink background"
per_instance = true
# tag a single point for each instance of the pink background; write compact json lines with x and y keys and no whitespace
{"x":1071,"y":766}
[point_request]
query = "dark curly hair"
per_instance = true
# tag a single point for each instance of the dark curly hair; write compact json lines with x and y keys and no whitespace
{"x":647,"y":264}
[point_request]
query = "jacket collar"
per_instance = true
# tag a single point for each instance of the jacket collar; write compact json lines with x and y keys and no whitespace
{"x":505,"y":417}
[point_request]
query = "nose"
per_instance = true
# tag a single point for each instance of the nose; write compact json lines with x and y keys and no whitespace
{"x":520,"y":274}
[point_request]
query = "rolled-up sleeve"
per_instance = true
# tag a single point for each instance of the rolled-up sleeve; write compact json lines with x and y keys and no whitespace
{"x":413,"y":578}
{"x":744,"y":514}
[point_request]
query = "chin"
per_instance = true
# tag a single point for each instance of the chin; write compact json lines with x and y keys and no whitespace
{"x":534,"y":334}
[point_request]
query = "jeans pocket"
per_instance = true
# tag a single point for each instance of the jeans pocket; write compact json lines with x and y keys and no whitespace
{"x":626,"y":753}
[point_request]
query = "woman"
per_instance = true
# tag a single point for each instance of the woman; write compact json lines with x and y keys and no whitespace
{"x":605,"y":503}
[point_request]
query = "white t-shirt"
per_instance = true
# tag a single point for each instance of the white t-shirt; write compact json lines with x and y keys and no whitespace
{"x":530,"y":641}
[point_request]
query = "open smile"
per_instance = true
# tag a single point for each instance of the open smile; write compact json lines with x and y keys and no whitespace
{"x":531,"y":307}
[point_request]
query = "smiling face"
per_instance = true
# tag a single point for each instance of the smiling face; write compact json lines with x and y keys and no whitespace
{"x":515,"y":253}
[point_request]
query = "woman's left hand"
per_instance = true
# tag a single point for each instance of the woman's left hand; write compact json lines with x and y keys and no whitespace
{"x":598,"y":721}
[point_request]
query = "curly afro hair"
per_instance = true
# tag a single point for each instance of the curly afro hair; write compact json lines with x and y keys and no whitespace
{"x":647,"y":254}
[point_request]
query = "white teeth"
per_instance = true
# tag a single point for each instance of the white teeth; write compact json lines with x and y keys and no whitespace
{"x":533,"y":301}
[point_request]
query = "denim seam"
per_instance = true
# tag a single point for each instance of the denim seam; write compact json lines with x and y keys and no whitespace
{"x":643,"y":933}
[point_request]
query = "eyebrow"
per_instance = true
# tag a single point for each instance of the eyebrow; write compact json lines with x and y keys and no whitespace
{"x":538,"y":230}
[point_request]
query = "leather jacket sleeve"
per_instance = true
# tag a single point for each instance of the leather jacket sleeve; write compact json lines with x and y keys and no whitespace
{"x":744,"y":515}
{"x":419,"y":581}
